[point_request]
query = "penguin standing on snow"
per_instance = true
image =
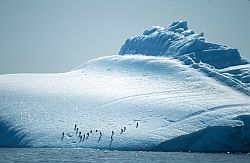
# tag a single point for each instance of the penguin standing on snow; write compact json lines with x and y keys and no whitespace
{"x":112,"y":134}
{"x":80,"y":139}
{"x":75,"y":127}
{"x":121,"y":131}
{"x":83,"y":137}
{"x":124,"y":129}
{"x":137,"y":124}
{"x":77,"y":130}
{"x":62,"y":136}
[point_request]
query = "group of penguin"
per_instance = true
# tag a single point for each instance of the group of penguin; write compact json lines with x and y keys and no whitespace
{"x":85,"y":137}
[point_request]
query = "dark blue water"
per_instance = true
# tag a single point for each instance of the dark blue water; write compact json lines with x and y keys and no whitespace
{"x":92,"y":155}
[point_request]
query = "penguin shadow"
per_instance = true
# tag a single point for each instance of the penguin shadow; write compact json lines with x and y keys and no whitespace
{"x":111,"y":139}
{"x":99,"y":139}
{"x":80,"y":139}
{"x":100,"y":136}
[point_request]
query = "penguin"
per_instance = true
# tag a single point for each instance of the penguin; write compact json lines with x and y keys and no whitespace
{"x":77,"y":130}
{"x":121,"y":131}
{"x":111,"y":139}
{"x":90,"y":131}
{"x":80,"y":133}
{"x":96,"y":130}
{"x":112,"y":133}
{"x":124,"y":129}
{"x":80,"y":139}
{"x":87,"y":136}
{"x":62,"y":136}
{"x":75,"y":127}
{"x":137,"y":124}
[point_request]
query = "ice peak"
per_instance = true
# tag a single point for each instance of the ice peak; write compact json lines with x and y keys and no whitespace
{"x":178,"y":25}
{"x":178,"y":41}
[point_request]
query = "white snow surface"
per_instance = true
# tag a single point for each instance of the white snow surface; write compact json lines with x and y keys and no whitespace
{"x":178,"y":106}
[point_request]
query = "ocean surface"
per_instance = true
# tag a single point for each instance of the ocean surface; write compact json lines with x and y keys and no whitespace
{"x":93,"y":155}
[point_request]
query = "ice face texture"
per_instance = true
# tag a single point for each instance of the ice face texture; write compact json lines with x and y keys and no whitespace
{"x":177,"y":41}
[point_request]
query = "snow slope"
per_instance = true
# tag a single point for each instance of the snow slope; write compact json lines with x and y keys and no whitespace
{"x":178,"y":107}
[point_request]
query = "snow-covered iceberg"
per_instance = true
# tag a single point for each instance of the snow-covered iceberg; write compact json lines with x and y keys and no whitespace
{"x":184,"y":93}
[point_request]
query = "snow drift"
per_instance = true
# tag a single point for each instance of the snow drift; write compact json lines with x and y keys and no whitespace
{"x":185,"y":94}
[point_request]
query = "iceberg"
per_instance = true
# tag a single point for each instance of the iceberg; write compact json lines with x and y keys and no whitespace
{"x":167,"y":90}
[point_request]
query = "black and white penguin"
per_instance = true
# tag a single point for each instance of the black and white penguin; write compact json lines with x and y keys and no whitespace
{"x":62,"y":136}
{"x":112,"y":134}
{"x":75,"y":127}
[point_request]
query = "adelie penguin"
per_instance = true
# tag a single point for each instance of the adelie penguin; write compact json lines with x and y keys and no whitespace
{"x":112,"y":134}
{"x":80,"y":139}
{"x":75,"y":128}
{"x":137,"y":124}
{"x":124,"y":129}
{"x":80,"y":133}
{"x":62,"y":136}
{"x":121,"y":131}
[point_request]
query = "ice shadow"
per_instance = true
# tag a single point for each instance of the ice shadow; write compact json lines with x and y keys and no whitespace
{"x":12,"y":136}
{"x":212,"y":139}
